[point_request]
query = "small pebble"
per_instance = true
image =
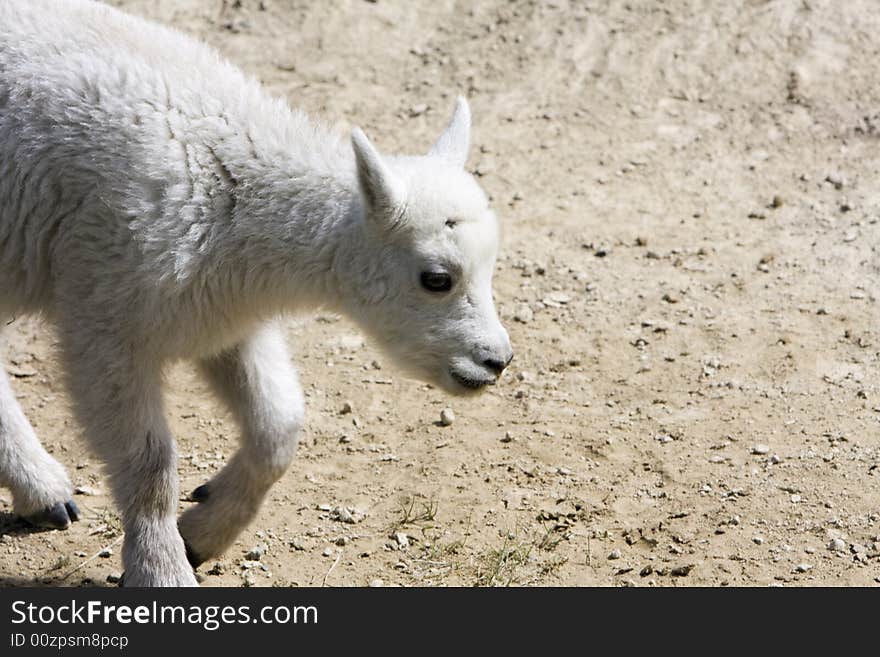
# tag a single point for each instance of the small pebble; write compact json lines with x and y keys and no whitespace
{"x":376,"y":583}
{"x":508,"y":437}
{"x":803,"y":567}
{"x":523,"y":313}
{"x":556,"y":299}
{"x":106,"y":553}
{"x":836,"y":179}
{"x":837,"y":545}
{"x":760,"y":449}
{"x":447,"y":417}
{"x":346,"y":514}
{"x":758,"y":540}
{"x":342,"y":514}
{"x":615,"y":554}
{"x":114,"y":578}
{"x":255,"y":553}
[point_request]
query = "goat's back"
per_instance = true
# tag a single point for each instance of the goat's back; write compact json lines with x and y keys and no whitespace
{"x":112,"y":129}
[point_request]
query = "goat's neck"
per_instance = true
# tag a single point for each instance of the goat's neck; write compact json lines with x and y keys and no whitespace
{"x":296,"y":234}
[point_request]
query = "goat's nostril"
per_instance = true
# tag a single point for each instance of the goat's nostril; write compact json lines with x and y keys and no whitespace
{"x":496,"y":366}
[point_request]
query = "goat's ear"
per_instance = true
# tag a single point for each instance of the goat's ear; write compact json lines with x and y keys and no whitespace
{"x":453,"y":143}
{"x":382,"y":190}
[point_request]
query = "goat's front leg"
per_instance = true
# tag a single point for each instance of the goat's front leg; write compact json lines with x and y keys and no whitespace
{"x":119,"y":402}
{"x":258,"y":383}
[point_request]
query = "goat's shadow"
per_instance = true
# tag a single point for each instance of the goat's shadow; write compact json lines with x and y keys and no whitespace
{"x":13,"y":525}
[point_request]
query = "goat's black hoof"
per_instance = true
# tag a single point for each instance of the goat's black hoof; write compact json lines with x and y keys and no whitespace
{"x":72,"y":510}
{"x":58,"y":516}
{"x":194,"y":560}
{"x":200,"y":494}
{"x":121,"y":582}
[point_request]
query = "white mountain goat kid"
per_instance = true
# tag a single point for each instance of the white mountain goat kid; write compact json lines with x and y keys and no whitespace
{"x":156,"y":204}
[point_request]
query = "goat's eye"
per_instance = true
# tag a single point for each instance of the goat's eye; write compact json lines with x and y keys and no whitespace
{"x":436,"y":281}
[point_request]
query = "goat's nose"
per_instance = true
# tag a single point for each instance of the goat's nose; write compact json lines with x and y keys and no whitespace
{"x":497,"y":365}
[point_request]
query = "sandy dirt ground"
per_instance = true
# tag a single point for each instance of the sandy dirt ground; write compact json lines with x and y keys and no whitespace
{"x":690,"y":277}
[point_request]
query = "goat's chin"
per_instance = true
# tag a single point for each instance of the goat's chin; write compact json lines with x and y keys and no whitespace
{"x":449,"y":382}
{"x":465,"y":384}
{"x":456,"y":379}
{"x":460,"y":390}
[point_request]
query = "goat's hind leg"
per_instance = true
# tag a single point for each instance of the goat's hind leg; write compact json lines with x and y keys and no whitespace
{"x":258,"y":383}
{"x":41,"y":490}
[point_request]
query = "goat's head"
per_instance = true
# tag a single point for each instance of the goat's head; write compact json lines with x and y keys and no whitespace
{"x":430,"y":246}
